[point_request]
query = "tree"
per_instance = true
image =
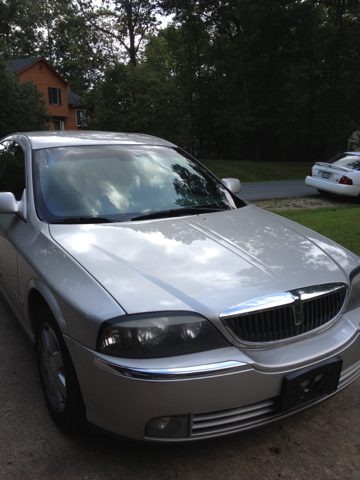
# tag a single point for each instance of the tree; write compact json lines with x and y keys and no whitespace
{"x":56,"y":30}
{"x":190,"y":46}
{"x":22,"y":106}
{"x":341,"y":42}
{"x":78,"y":51}
{"x":124,"y":21}
{"x":243,"y":62}
{"x":142,"y":99}
{"x":19,"y":27}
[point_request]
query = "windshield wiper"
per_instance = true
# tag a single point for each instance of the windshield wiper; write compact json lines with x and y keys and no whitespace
{"x":178,"y":212}
{"x":82,"y":220}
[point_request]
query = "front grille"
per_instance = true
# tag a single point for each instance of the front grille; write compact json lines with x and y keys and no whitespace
{"x":284,"y":322}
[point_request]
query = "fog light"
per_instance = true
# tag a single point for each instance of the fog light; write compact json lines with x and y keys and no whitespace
{"x":168,"y":427}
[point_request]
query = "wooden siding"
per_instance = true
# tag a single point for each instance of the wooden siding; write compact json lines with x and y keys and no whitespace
{"x":44,"y":77}
{"x":71,"y":121}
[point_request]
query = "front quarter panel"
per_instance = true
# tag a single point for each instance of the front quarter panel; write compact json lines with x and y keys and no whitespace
{"x":83,"y":304}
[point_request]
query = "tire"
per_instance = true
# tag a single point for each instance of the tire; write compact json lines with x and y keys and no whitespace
{"x":322,"y":192}
{"x":57,"y":375}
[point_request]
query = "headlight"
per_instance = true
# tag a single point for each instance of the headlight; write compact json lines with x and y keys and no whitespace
{"x":155,"y":335}
{"x":354,"y":296}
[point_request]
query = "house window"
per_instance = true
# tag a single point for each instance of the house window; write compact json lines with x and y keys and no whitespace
{"x":59,"y":124}
{"x":80,"y":118}
{"x":54,"y":96}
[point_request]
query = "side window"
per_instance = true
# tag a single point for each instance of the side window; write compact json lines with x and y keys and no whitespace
{"x":12,"y":177}
{"x":3,"y":151}
{"x":54,"y":96}
{"x":80,"y":118}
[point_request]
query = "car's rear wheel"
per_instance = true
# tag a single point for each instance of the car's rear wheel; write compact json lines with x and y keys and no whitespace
{"x":322,"y":192}
{"x":57,"y":374}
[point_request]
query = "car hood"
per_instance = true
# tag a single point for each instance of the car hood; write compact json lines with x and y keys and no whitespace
{"x":205,"y":263}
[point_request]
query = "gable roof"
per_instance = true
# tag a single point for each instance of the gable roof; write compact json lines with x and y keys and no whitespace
{"x":20,"y":63}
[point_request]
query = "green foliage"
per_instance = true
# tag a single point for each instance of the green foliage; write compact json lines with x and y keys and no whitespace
{"x":124,"y":21}
{"x":141,"y":99}
{"x":72,"y":45}
{"x":77,"y":50}
{"x":19,"y":27}
{"x":267,"y":80}
{"x":22,"y":106}
{"x":280,"y":78}
{"x":55,"y":30}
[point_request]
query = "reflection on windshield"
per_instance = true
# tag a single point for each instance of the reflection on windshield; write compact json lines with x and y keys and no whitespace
{"x":121,"y":182}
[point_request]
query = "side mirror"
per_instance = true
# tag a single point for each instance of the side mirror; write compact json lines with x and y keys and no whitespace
{"x":8,"y":203}
{"x":233,"y":184}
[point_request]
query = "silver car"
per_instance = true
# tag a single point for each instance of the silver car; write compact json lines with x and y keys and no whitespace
{"x":163,"y":307}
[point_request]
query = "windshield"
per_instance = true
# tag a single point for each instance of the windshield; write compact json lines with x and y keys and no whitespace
{"x":346,"y":160}
{"x":118,"y":183}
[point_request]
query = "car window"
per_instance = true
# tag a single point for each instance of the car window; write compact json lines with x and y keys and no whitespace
{"x":346,"y":160}
{"x":13,"y":172}
{"x":122,"y":182}
{"x":3,"y":151}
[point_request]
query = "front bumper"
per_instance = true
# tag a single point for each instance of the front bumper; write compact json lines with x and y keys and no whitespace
{"x":222,"y":391}
{"x":332,"y":187}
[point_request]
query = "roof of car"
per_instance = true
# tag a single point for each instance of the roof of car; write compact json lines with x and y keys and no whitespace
{"x":73,"y":137}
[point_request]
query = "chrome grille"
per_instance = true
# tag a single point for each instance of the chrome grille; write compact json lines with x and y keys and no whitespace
{"x":306,"y":312}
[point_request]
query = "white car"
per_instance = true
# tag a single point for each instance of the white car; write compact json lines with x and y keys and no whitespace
{"x":340,"y":175}
{"x":164,"y":308}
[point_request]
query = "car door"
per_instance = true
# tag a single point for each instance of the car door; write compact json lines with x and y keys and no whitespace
{"x":12,"y":227}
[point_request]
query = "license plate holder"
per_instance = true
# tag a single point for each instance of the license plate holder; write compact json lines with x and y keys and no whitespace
{"x":309,"y":384}
{"x":325,"y":175}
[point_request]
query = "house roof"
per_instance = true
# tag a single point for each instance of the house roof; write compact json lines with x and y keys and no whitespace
{"x":19,"y":64}
{"x":73,"y":97}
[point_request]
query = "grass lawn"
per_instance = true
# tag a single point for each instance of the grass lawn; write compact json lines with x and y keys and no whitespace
{"x":341,"y":224}
{"x":251,"y":171}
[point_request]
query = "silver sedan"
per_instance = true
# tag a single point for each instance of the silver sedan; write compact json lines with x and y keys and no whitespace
{"x":162,"y":306}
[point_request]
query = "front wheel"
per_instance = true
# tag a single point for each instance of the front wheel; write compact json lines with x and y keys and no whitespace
{"x":57,"y":374}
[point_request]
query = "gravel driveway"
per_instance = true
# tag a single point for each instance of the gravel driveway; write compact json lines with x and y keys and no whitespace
{"x":304,"y":203}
